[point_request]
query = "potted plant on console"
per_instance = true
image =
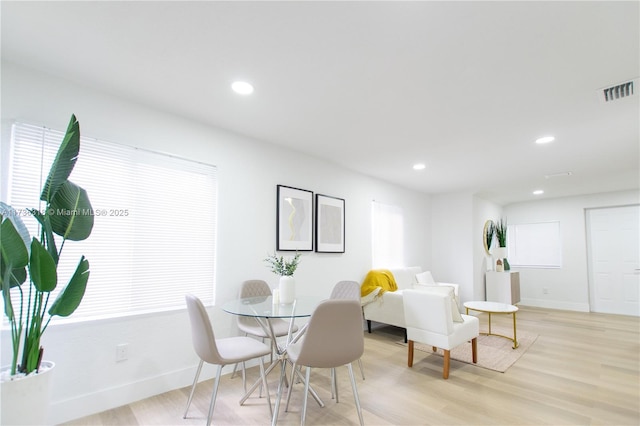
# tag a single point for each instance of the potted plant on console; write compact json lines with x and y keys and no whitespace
{"x":501,"y":235}
{"x":28,"y":275}
{"x":285,"y":269}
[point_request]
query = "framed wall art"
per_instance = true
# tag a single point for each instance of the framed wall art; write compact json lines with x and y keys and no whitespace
{"x":294,"y":219}
{"x":330,"y":228}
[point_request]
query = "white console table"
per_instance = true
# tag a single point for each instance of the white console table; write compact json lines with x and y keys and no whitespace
{"x":503,"y":287}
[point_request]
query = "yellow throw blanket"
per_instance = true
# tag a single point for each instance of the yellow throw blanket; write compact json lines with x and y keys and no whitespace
{"x":381,"y":279}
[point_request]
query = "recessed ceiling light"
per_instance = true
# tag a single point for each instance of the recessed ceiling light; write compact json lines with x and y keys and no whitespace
{"x":419,"y":166}
{"x":545,"y":139}
{"x":538,"y":192}
{"x":242,"y":87}
{"x":557,"y":175}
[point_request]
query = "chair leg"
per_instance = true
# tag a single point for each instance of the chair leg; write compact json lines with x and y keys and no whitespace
{"x":410,"y":354}
{"x":335,"y":383}
{"x":244,"y":378}
{"x":474,"y":350}
{"x":293,"y":381}
{"x":305,"y":396}
{"x":214,"y":394}
{"x":193,"y":388}
{"x":447,"y":362}
{"x":355,"y":394}
{"x":361,"y":367}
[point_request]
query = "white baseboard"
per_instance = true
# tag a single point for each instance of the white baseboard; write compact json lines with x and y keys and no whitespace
{"x":107,"y":399}
{"x":554,"y":304}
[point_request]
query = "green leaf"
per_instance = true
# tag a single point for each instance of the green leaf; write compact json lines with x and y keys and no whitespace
{"x":12,"y":247}
{"x":71,"y":213}
{"x":45,"y":223}
{"x":65,"y":160}
{"x":16,"y":276}
{"x":42,"y":268}
{"x":69,"y":299}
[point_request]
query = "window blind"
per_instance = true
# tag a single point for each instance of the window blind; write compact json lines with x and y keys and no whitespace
{"x":154,"y":236}
{"x":535,"y":245}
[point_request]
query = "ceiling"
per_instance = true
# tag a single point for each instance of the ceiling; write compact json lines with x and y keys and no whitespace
{"x":464,"y":87}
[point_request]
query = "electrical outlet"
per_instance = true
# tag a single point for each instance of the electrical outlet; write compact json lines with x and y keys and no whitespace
{"x":545,"y":290}
{"x":122,"y":352}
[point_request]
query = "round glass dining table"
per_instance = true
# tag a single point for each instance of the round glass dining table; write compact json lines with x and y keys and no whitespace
{"x":263,"y":310}
{"x":263,"y":307}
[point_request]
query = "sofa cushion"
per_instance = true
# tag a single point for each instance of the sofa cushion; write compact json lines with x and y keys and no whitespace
{"x":405,"y":277}
{"x":425,"y":278}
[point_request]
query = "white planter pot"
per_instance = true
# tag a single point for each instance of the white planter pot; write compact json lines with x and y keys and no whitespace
{"x":25,"y":401}
{"x":287,"y":289}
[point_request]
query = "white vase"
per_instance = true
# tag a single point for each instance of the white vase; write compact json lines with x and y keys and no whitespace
{"x":287,"y":289}
{"x":499,"y":253}
{"x":25,"y":401}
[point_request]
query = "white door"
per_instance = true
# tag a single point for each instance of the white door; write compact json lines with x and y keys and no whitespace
{"x":614,"y":260}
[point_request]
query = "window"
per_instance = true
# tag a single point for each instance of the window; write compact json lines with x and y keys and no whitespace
{"x":154,"y":236}
{"x":535,"y":245}
{"x":387,"y":236}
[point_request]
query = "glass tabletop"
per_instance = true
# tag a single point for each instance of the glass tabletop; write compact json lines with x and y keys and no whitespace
{"x":265,"y":308}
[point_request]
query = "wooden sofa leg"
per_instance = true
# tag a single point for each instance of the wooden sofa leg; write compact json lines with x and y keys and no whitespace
{"x":405,"y":335}
{"x":447,"y":359}
{"x":410,"y":354}
{"x":474,"y":350}
{"x":369,"y":326}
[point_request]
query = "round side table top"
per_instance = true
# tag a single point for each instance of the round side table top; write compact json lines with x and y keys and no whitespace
{"x":493,"y":307}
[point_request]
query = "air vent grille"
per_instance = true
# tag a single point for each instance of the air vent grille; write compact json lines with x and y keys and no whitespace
{"x":618,"y":91}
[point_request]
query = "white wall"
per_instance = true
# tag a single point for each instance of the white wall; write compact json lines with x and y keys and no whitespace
{"x":87,"y":378}
{"x":452,"y":242}
{"x":568,"y":286}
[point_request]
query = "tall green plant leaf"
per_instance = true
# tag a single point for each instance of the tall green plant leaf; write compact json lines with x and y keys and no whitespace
{"x":71,"y":213}
{"x":12,"y":246}
{"x":50,"y":241}
{"x":42,"y":268}
{"x":69,"y":299}
{"x":64,"y":162}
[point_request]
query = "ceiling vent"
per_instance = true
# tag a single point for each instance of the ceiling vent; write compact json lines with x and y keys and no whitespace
{"x":619,"y":91}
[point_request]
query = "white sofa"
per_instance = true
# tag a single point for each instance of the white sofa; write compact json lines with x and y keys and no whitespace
{"x":388,"y":308}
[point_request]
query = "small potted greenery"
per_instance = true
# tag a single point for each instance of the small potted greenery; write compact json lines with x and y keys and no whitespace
{"x":285,"y":269}
{"x":29,"y":273}
{"x":501,"y":235}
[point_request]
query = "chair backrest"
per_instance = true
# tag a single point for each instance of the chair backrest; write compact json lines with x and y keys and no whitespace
{"x":334,"y":336}
{"x":429,"y":311}
{"x":254,"y":288}
{"x":204,"y":341}
{"x":346,"y":290}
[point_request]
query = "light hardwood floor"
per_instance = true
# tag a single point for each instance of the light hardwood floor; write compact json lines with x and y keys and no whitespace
{"x":582,"y":370}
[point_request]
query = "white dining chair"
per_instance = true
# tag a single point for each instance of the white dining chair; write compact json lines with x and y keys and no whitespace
{"x":334,"y":337}
{"x":349,"y":290}
{"x":429,"y":320}
{"x":249,"y":325}
{"x":220,"y":351}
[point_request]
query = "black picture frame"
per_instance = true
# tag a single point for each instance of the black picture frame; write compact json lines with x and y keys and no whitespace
{"x":294,"y":219}
{"x":330,"y":224}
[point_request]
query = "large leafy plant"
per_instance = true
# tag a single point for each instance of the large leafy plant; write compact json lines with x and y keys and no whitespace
{"x":501,"y":232}
{"x":29,"y":265}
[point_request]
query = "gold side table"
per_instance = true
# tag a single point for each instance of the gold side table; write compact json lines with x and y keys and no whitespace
{"x":495,"y":308}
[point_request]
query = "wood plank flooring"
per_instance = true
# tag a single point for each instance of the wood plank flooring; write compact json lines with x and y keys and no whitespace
{"x":584,"y":369}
